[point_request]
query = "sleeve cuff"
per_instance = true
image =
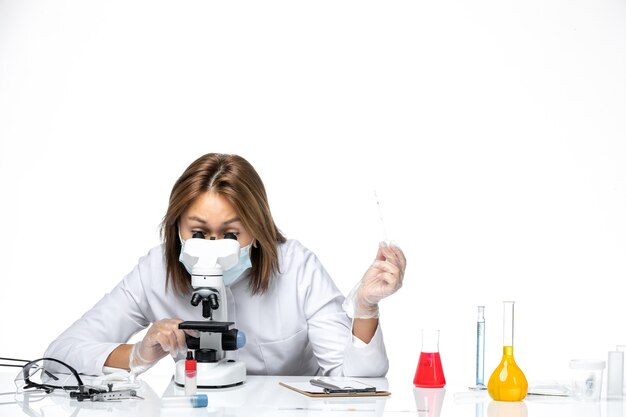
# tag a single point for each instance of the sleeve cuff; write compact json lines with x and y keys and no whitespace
{"x":366,"y":359}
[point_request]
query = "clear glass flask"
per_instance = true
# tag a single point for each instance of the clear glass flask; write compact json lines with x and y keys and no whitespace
{"x":429,"y":372}
{"x":508,"y":382}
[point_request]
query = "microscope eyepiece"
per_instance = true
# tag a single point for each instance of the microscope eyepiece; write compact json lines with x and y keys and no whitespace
{"x":230,"y":236}
{"x":197,"y":235}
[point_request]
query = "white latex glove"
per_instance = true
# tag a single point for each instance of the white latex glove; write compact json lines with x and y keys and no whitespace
{"x":381,"y":280}
{"x":163,"y":338}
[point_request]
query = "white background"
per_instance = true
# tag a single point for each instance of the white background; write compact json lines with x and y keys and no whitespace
{"x":493,"y":132}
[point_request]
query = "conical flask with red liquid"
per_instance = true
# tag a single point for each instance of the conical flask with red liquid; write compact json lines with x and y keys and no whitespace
{"x":429,"y":372}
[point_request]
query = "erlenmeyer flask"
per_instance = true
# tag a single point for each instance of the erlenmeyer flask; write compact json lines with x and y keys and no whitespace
{"x":429,"y":372}
{"x":508,"y":382}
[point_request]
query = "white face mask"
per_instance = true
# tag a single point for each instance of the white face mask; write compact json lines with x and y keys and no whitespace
{"x":231,"y":274}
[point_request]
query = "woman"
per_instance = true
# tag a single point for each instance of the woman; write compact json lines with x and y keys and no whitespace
{"x":284,"y":300}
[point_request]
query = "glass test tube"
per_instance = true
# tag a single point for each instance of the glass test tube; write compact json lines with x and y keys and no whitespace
{"x":622,"y":348}
{"x":480,"y":347}
{"x":191,"y":401}
{"x":615,"y":374}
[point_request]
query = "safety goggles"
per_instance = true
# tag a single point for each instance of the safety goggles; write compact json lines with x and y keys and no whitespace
{"x":45,"y":375}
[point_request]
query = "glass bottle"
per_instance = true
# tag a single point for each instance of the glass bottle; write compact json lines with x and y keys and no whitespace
{"x":429,"y":372}
{"x":508,"y":382}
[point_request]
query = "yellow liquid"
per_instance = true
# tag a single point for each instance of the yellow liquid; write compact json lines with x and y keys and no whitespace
{"x":507,"y":382}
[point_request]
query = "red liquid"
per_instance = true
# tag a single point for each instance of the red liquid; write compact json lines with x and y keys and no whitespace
{"x":429,"y":373}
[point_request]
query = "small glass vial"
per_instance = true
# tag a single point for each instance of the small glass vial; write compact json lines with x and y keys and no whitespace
{"x":191,"y":372}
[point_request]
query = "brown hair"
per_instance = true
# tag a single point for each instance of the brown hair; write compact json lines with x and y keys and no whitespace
{"x":233,"y":178}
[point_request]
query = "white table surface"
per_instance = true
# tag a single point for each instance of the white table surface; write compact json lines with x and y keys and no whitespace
{"x":263,"y":396}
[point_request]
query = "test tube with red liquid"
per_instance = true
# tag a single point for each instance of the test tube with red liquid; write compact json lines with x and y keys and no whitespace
{"x":429,"y":372}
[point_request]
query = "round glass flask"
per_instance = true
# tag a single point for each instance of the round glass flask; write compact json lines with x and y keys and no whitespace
{"x":429,"y":372}
{"x":508,"y":382}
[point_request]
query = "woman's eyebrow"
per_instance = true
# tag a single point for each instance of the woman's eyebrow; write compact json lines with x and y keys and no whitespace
{"x":234,"y":219}
{"x":199,"y":220}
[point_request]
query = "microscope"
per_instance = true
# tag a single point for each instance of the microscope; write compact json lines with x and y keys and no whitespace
{"x":208,"y":260}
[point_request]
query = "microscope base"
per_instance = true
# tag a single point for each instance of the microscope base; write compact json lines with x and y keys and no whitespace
{"x":221,"y":374}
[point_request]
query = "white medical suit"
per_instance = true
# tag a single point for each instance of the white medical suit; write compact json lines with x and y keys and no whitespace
{"x":297,"y":327}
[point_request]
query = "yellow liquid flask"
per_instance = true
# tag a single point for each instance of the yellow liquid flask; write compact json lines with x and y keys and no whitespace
{"x":508,"y":382}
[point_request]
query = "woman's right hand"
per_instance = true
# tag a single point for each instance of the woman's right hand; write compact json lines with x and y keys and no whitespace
{"x":163,"y":338}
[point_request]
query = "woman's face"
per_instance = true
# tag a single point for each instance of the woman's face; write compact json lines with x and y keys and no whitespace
{"x":214,"y":216}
